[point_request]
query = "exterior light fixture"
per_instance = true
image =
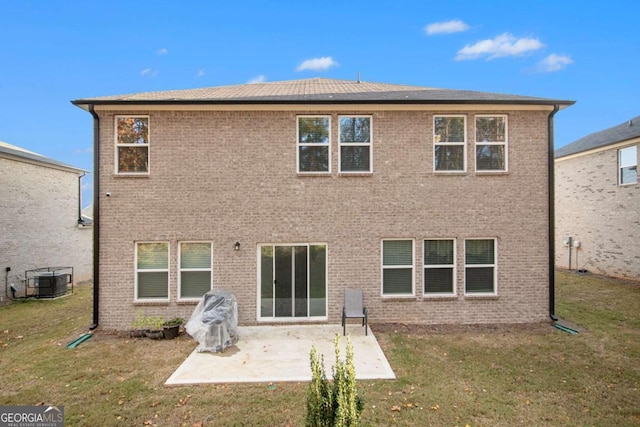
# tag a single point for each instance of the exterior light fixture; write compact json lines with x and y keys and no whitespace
{"x":236,"y":247}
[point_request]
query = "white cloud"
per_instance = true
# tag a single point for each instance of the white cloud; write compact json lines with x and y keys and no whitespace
{"x":258,"y":79}
{"x":87,"y":186}
{"x":500,"y":46}
{"x":200,"y":73}
{"x":554,"y":62}
{"x":83,"y":150}
{"x":149,"y":72}
{"x":453,"y":26}
{"x":162,"y":51}
{"x":317,"y":64}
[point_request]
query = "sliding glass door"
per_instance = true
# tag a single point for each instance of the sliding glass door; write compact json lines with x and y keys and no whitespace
{"x":293,"y":281}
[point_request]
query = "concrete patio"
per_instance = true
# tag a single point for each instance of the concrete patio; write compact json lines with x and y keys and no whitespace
{"x":281,"y":354}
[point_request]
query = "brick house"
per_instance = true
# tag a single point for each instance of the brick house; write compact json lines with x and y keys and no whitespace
{"x":41,"y":224}
{"x":598,"y":202}
{"x":434,"y":202}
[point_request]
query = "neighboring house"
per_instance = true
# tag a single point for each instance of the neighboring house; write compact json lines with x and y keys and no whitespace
{"x":434,"y":202}
{"x":598,"y":202}
{"x":40,"y":216}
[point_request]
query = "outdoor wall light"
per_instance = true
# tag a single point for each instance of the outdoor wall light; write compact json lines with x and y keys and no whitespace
{"x":236,"y":247}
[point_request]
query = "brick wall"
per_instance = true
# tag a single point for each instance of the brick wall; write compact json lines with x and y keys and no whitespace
{"x":39,"y":222}
{"x":593,"y":209}
{"x":231,"y":176}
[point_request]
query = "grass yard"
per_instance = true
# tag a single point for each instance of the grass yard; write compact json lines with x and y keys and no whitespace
{"x":531,"y":375}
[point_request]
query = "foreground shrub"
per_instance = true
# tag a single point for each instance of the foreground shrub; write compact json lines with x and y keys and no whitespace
{"x":336,"y":403}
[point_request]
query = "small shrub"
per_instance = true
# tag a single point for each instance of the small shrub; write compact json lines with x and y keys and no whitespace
{"x":176,"y":321}
{"x":139,"y":321}
{"x":333,"y":404}
{"x":154,"y":322}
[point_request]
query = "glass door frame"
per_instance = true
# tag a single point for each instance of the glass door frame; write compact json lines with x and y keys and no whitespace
{"x":308,"y":298}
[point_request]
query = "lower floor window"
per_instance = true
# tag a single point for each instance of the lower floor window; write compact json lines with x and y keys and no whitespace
{"x":195,"y":269}
{"x":480,"y":266}
{"x":439,"y":267}
{"x":397,"y":267}
{"x":152,"y":270}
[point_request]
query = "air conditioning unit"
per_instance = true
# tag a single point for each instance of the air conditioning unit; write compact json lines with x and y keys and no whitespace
{"x":51,"y":285}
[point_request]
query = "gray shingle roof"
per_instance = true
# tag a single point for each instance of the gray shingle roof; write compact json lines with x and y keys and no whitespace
{"x":317,"y":90}
{"x":622,"y":132}
{"x":12,"y":151}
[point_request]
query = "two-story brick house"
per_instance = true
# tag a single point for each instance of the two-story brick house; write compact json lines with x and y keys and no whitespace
{"x":598,"y":202}
{"x":434,"y":202}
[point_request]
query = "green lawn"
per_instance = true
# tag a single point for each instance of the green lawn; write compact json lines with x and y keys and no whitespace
{"x":529,"y":375}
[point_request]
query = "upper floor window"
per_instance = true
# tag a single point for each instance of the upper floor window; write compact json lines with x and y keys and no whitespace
{"x":314,"y":142}
{"x":491,"y":143}
{"x":132,"y":144}
{"x":628,"y":165}
{"x":449,"y":143}
{"x":355,"y":144}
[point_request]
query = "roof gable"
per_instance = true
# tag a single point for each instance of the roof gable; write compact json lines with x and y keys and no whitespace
{"x":619,"y":133}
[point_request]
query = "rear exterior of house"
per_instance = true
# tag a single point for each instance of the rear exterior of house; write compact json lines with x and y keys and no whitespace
{"x":433,"y":202}
{"x":598,"y":202}
{"x":40,"y":220}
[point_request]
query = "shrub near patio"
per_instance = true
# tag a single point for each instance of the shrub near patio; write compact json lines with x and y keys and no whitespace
{"x":498,"y":376}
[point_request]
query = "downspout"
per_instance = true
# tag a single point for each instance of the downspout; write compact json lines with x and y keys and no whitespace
{"x":96,"y":217}
{"x":552,"y":218}
{"x":80,"y":221}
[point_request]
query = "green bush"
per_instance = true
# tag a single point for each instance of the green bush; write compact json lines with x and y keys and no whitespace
{"x":154,"y":322}
{"x":333,"y":404}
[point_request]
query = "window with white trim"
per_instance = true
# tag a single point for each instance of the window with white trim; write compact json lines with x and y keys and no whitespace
{"x":480,"y":266}
{"x":195,"y":277}
{"x":132,"y":145}
{"x":152,"y":270}
{"x":628,"y":165}
{"x":314,"y":144}
{"x":449,"y":143}
{"x":491,"y":143}
{"x":397,"y":267}
{"x":355,"y":144}
{"x":439,"y":267}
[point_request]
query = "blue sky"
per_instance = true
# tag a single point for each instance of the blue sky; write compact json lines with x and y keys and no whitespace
{"x":52,"y":52}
